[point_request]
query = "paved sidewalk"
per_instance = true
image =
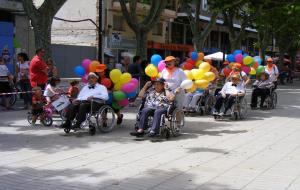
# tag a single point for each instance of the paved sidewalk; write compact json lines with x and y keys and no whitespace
{"x":259,"y":153}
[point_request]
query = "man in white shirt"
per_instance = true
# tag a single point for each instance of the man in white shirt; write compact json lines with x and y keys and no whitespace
{"x":229,"y":92}
{"x":82,"y":104}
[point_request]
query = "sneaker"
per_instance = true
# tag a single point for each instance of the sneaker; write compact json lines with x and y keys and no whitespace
{"x":215,"y":113}
{"x":151,"y":134}
{"x":120,"y":119}
{"x":221,"y":114}
{"x":137,"y":134}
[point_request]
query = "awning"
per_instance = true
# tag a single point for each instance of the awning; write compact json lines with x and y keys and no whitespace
{"x":215,"y":56}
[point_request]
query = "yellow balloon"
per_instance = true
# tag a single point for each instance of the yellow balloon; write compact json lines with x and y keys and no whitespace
{"x":189,"y":74}
{"x":151,"y":70}
{"x":198,"y":74}
{"x":209,"y":76}
{"x":202,"y":83}
{"x":118,"y":86}
{"x":193,"y":89}
{"x":115,"y":75}
{"x":197,"y":64}
{"x":204,"y":66}
{"x":125,"y":78}
{"x":252,"y":71}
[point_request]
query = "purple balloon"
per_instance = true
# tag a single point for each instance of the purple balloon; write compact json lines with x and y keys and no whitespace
{"x":161,"y":65}
{"x":238,"y":58}
{"x":127,"y":88}
{"x":246,"y":69}
{"x":135,"y":82}
{"x":86,"y":63}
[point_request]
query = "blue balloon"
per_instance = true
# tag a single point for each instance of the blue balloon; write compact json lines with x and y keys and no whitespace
{"x":245,"y":55}
{"x":155,"y":59}
{"x":131,"y":94}
{"x":110,"y":99}
{"x":257,"y":59}
{"x":230,"y":58}
{"x":200,"y":90}
{"x":79,"y":71}
{"x":194,"y":56}
{"x":237,"y":52}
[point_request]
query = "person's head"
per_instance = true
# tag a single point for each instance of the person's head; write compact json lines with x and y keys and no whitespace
{"x":40,"y":52}
{"x":92,"y":78}
{"x":50,"y":62}
{"x":74,"y":83}
{"x":159,"y":85}
{"x":137,"y":59}
{"x":264,"y":76}
{"x":37,"y":91}
{"x":100,"y":70}
{"x":21,"y":57}
{"x":170,"y":62}
{"x":235,"y":78}
{"x":54,"y":81}
{"x":126,"y":60}
{"x":1,"y":61}
{"x":269,"y":61}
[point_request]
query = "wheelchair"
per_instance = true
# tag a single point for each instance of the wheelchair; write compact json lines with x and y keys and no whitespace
{"x":237,"y":111}
{"x":103,"y":120}
{"x":271,"y":99}
{"x":174,"y":116}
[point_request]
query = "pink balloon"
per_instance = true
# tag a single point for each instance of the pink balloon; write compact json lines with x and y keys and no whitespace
{"x":246,"y":69}
{"x":124,"y":102}
{"x":127,"y":88}
{"x":135,"y":82}
{"x":84,"y":79}
{"x":85,"y":63}
{"x":239,"y":58}
{"x":161,"y":65}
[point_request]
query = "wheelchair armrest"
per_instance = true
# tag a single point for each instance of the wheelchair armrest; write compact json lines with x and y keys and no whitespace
{"x":98,"y":100}
{"x":170,"y":109}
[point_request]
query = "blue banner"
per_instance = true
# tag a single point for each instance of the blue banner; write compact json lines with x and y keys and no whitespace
{"x":7,"y":44}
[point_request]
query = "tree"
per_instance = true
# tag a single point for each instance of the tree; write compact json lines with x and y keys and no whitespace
{"x":41,"y":20}
{"x":143,"y":27}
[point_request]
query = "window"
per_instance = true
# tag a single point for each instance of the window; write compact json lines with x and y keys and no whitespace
{"x":214,"y":39}
{"x":177,"y":33}
{"x":204,"y":5}
{"x":118,"y":23}
{"x":158,"y":29}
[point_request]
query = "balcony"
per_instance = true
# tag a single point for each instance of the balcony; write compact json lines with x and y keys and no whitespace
{"x":143,"y":7}
{"x":11,"y":5}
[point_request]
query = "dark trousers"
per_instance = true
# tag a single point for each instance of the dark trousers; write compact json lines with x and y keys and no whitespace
{"x":156,"y":113}
{"x":79,"y":109}
{"x":25,"y":87}
{"x":257,"y":92}
{"x":228,"y":101}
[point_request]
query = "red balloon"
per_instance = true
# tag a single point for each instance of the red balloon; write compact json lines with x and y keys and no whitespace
{"x":226,"y":71}
{"x":106,"y":82}
{"x":255,"y":65}
{"x":153,"y":78}
{"x":189,"y":60}
{"x":188,"y":66}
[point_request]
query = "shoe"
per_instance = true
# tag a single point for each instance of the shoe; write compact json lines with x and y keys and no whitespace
{"x":75,"y":126}
{"x":151,"y":134}
{"x":120,"y":119}
{"x":215,"y":113}
{"x":137,"y":134}
{"x":65,"y":125}
{"x":221,"y":114}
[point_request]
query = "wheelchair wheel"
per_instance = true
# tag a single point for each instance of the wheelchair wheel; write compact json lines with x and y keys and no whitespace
{"x":12,"y":100}
{"x":47,"y":121}
{"x":177,"y":122}
{"x":63,"y":114}
{"x":92,"y":130}
{"x":242,"y":111}
{"x":106,"y":119}
{"x":274,"y":100}
{"x":209,"y":103}
{"x":29,"y":118}
{"x":67,"y":130}
{"x":269,"y":102}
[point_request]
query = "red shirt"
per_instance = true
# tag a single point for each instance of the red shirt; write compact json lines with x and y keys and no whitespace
{"x":37,"y":76}
{"x":39,"y":102}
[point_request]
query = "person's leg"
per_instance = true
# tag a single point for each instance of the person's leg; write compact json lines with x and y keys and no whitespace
{"x":71,"y":114}
{"x":156,"y":120}
{"x":229,"y":102}
{"x":84,"y":108}
{"x":194,"y":101}
{"x":144,"y":115}
{"x":187,"y":99}
{"x":263,"y":95}
{"x":219,"y":103}
{"x":254,"y":96}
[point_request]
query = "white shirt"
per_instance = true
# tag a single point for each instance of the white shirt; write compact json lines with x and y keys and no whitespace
{"x":272,"y":73}
{"x":48,"y":91}
{"x":175,"y":79}
{"x":23,"y":69}
{"x":229,"y":89}
{"x":4,"y":73}
{"x":99,"y":91}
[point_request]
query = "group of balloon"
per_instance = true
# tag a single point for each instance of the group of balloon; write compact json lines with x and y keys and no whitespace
{"x":121,"y":86}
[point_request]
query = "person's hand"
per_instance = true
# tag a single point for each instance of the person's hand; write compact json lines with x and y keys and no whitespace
{"x":223,"y":94}
{"x":177,"y":90}
{"x":233,"y":94}
{"x":148,"y":84}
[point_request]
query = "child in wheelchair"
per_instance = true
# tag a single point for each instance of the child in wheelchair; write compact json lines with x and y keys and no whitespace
{"x":156,"y":103}
{"x":228,"y":95}
{"x":262,"y":87}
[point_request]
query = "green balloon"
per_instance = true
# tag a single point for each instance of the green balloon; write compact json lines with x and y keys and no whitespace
{"x":116,"y":106}
{"x":119,"y":95}
{"x":260,"y":69}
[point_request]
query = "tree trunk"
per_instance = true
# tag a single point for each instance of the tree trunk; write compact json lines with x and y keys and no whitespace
{"x":141,"y":44}
{"x":199,"y":42}
{"x":234,"y":44}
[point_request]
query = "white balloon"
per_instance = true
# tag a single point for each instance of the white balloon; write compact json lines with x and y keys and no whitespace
{"x":186,"y":84}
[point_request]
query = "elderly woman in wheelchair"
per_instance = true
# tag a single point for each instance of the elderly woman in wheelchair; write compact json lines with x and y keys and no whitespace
{"x":156,"y":101}
{"x":263,"y":87}
{"x":231,"y":94}
{"x":91,"y":99}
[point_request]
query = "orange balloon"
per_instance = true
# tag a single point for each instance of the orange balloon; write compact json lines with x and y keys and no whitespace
{"x":93,"y":66}
{"x":200,"y":56}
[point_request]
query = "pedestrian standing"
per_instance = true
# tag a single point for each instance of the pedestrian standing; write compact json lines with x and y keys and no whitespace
{"x":52,"y":69}
{"x":5,"y":78}
{"x":38,"y":70}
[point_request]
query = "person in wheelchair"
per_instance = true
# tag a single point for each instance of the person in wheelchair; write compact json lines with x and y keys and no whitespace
{"x":262,"y":88}
{"x":156,"y":103}
{"x":228,"y":94}
{"x":191,"y":99}
{"x":82,"y":105}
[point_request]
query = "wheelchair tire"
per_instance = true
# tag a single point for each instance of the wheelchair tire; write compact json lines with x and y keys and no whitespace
{"x":274,"y":100}
{"x":209,"y":103}
{"x":105,"y":113}
{"x":243,"y":109}
{"x":92,"y":130}
{"x":176,"y":125}
{"x":47,"y":121}
{"x":12,"y":100}
{"x":63,"y":114}
{"x":67,"y":130}
{"x":29,"y":118}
